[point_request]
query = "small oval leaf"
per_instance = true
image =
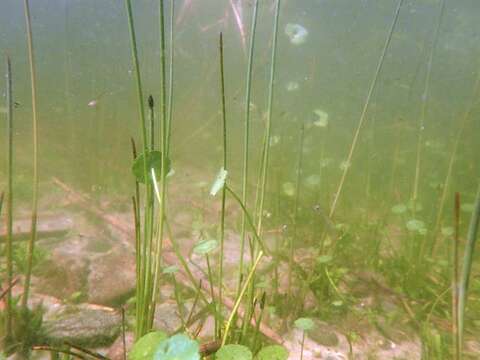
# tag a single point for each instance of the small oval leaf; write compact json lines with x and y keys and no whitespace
{"x":146,"y":346}
{"x":273,"y":352}
{"x":304,"y":324}
{"x":234,"y":352}
{"x":154,"y":161}
{"x":177,"y":347}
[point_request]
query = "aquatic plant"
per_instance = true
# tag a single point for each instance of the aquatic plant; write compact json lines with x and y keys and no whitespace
{"x":34,"y":217}
{"x":9,"y":243}
{"x":304,"y":324}
{"x":246,"y":140}
{"x":467,"y":269}
{"x":366,"y":106}
{"x":224,"y":169}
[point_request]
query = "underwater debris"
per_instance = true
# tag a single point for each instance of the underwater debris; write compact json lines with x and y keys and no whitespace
{"x":416,"y":225}
{"x":219,"y":182}
{"x":313,"y":180}
{"x":399,"y":209}
{"x":288,"y":188}
{"x":292,"y":86}
{"x":467,"y":207}
{"x":325,"y":162}
{"x":321,"y":118}
{"x":296,"y":33}
{"x":274,"y":140}
{"x":447,"y":231}
{"x":345,"y":164}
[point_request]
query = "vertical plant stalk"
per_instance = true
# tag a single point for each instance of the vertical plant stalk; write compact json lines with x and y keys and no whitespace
{"x":467,"y":268}
{"x":33,"y":227}
{"x":240,"y":296}
{"x":8,"y":243}
{"x":163,"y":176}
{"x":170,"y":76}
{"x":365,"y":109}
{"x":423,"y":111}
{"x":448,"y":176}
{"x":222,"y":216}
{"x":246,"y":140}
{"x":143,"y":283}
{"x":302,"y":345}
{"x":268,"y":127}
{"x":456,"y":245}
{"x":295,"y":210}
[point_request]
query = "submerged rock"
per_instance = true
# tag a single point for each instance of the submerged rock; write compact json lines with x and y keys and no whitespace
{"x":111,"y":278}
{"x":323,"y":334}
{"x":84,"y":325}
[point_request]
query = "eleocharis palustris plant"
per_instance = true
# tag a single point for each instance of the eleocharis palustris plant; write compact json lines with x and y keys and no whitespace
{"x":34,"y":216}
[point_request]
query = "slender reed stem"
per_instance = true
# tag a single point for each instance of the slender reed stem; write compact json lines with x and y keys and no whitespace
{"x":240,"y":296}
{"x":365,"y":109}
{"x":222,"y":216}
{"x":8,"y":243}
{"x":163,"y":177}
{"x":467,"y":269}
{"x":456,"y":244}
{"x":246,"y":139}
{"x":302,"y":345}
{"x":170,"y":76}
{"x":423,"y":112}
{"x":33,"y":85}
{"x":266,"y":140}
{"x":144,"y":283}
{"x":448,"y":176}
{"x":61,"y":351}
{"x":249,"y":219}
{"x":295,"y":210}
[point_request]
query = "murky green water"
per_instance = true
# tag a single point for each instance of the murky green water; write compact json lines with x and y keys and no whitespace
{"x":88,"y":112}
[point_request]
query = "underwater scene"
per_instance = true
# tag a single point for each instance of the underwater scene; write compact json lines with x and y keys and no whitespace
{"x":239,"y":179}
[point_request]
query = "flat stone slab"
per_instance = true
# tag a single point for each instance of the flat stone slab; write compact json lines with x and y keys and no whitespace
{"x":84,"y":325}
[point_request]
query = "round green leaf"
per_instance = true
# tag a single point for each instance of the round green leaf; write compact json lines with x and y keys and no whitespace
{"x":177,"y":347}
{"x":234,"y":352}
{"x":204,"y":247}
{"x":145,"y":347}
{"x":399,"y":209}
{"x":273,"y":352}
{"x":416,"y":225}
{"x":304,"y":324}
{"x":288,"y":188}
{"x":447,"y":231}
{"x":154,"y":161}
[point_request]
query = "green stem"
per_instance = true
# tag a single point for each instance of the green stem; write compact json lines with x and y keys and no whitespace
{"x":222,"y":216}
{"x":295,"y":209}
{"x":467,"y":268}
{"x":249,"y":219}
{"x":423,"y":112}
{"x":240,"y":296}
{"x":144,"y":285}
{"x":266,"y":143}
{"x":34,"y":217}
{"x":365,"y":109}
{"x":8,"y":244}
{"x":246,"y":139}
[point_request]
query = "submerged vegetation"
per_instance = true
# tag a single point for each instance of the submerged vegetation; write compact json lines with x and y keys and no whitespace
{"x":292,"y":245}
